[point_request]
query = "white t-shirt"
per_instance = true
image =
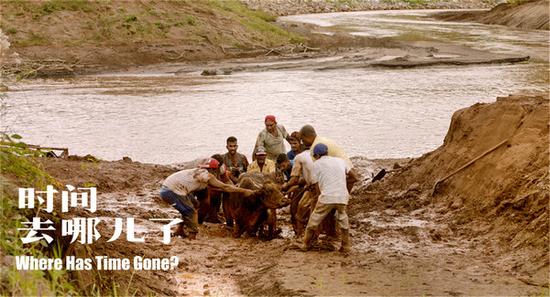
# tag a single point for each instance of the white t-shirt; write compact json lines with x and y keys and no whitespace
{"x":330,"y":173}
{"x":303,"y":166}
{"x":187,"y":181}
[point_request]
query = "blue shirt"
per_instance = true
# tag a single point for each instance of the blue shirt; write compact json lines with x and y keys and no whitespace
{"x":291,"y":155}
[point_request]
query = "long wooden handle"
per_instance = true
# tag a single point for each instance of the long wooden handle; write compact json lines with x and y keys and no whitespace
{"x":474,"y":160}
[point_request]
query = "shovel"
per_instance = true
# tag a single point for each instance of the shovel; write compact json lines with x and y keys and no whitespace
{"x":438,"y":183}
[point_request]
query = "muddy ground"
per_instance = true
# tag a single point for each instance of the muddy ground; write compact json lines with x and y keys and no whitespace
{"x":483,"y":232}
{"x":341,"y":51}
{"x":394,"y":253}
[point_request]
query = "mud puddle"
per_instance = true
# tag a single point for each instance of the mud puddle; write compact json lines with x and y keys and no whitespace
{"x":388,"y":231}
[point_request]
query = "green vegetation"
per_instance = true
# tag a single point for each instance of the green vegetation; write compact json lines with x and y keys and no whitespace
{"x":339,"y":3}
{"x":190,"y":20}
{"x":414,"y":36}
{"x":130,"y":19}
{"x":59,"y":5}
{"x":33,"y":39}
{"x":221,"y":22}
{"x":89,"y":185}
{"x":256,"y":21}
{"x":241,"y":10}
{"x":18,"y":170}
{"x":16,"y":164}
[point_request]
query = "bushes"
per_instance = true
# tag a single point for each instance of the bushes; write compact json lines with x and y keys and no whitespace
{"x":17,"y":169}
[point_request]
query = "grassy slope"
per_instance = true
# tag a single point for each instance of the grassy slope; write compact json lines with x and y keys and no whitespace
{"x":18,"y":168}
{"x":208,"y":26}
{"x":18,"y":171}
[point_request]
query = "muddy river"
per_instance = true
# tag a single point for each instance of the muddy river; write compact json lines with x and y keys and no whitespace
{"x":162,"y":117}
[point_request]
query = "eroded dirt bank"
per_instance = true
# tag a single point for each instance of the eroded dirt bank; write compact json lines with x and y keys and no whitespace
{"x":64,"y":37}
{"x":499,"y":203}
{"x":533,"y":15}
{"x":290,"y":7}
{"x":482,"y":231}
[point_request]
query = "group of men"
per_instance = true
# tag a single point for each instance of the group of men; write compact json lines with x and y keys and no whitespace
{"x":315,"y":174}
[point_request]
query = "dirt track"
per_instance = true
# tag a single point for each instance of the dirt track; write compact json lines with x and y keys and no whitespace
{"x":405,"y":241}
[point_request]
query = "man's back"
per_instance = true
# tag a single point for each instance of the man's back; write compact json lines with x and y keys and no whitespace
{"x":186,"y":181}
{"x":303,"y":166}
{"x":330,"y":173}
{"x":334,"y":150}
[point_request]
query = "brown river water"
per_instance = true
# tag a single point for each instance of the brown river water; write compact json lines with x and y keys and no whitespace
{"x":160,"y":117}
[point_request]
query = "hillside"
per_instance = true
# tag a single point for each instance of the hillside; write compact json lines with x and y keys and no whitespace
{"x":84,"y":33}
{"x":533,"y":15}
{"x":291,"y":7}
{"x":501,"y":198}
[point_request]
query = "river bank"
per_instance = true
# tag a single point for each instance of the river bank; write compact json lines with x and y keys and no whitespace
{"x":292,"y":7}
{"x":387,"y":70}
{"x":531,"y":15}
{"x":381,"y":85}
{"x":66,"y":37}
{"x":482,"y":231}
{"x":58,"y":40}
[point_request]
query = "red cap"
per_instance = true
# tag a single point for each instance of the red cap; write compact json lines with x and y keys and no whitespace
{"x":270,"y":118}
{"x":212,"y":164}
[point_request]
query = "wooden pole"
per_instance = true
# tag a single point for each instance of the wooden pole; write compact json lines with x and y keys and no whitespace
{"x":467,"y":165}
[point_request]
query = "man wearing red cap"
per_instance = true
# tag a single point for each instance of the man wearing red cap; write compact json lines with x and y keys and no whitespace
{"x":272,"y":138}
{"x":178,"y":189}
